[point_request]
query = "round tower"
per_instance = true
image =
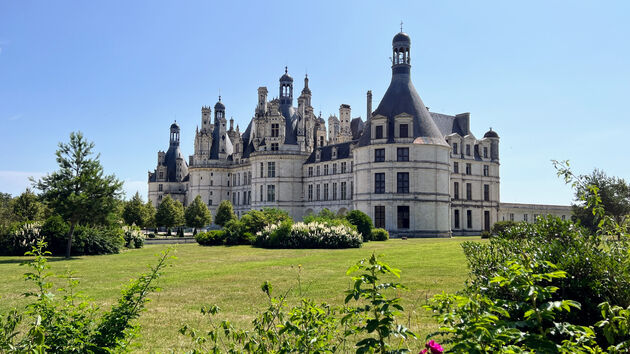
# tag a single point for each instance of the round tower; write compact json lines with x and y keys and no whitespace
{"x":174,"y":134}
{"x":219,"y":110}
{"x":286,"y":88}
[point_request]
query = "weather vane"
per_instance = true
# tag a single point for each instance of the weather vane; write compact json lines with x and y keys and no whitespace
{"x":401,"y":23}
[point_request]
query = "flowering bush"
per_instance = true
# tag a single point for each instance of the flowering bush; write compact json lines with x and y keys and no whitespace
{"x":311,"y":235}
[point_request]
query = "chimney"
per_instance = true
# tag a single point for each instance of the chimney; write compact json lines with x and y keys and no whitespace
{"x":369,"y":105}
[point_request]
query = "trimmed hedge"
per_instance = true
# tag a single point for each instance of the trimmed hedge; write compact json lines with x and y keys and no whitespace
{"x":380,"y":235}
{"x":210,"y":238}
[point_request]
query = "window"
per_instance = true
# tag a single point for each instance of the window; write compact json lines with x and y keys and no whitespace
{"x":403,"y":216}
{"x":469,"y":219}
{"x":402,"y":154}
{"x":238,"y":179}
{"x":261,"y":193}
{"x":262,"y":167}
{"x":321,"y":141}
{"x":467,"y":149}
{"x":486,"y":170}
{"x":379,"y":132}
{"x":455,"y":151}
{"x":334,"y":191}
{"x":511,"y":216}
{"x":317,"y":192}
{"x":325,"y":191}
{"x":351,"y":164}
{"x":210,"y":202}
{"x":486,"y":192}
{"x":249,"y":197}
{"x":485,"y":152}
{"x":343,"y":167}
{"x":563,"y":217}
{"x":455,"y":167}
{"x":468,"y":191}
{"x":456,"y":218}
{"x":325,"y":170}
{"x":334,"y":169}
{"x":159,"y":197}
{"x":310,"y":171}
{"x":379,"y":183}
{"x":310,"y":192}
{"x":379,"y":155}
{"x":271,"y":169}
{"x":244,"y":198}
{"x":402,"y":180}
{"x":468,"y":168}
{"x":404,"y":130}
{"x":274,"y":147}
{"x":456,"y":190}
{"x":275,"y":130}
{"x":351,"y":189}
{"x":271,"y":193}
{"x":525,"y":217}
{"x":379,"y":216}
{"x":318,"y":170}
{"x":160,"y":187}
{"x":161,"y":174}
{"x":343,"y":190}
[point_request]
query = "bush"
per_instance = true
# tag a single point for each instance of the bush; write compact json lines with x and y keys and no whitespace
{"x":500,"y":227}
{"x":313,"y":235}
{"x":225,"y":213}
{"x":485,"y":234}
{"x":18,"y":238}
{"x":151,"y":235}
{"x":133,"y":237}
{"x":256,"y":220}
{"x":362,"y":221}
{"x":210,"y":238}
{"x":236,"y":233}
{"x":380,"y":235}
{"x":97,"y":240}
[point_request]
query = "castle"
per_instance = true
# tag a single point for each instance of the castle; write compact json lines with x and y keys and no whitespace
{"x":416,"y":173}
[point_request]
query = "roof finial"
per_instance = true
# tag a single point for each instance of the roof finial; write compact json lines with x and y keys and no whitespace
{"x":286,"y":69}
{"x":490,"y":128}
{"x":401,"y":25}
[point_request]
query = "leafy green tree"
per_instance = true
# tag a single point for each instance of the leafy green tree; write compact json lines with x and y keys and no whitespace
{"x":149,"y":213}
{"x":613,"y":194}
{"x":134,"y":211}
{"x":27,"y":207}
{"x":363,"y":223}
{"x":6,"y":210}
{"x":170,"y":213}
{"x":225,"y":213}
{"x":197,"y":214}
{"x":79,"y":190}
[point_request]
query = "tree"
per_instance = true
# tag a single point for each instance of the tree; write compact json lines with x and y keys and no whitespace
{"x":6,"y":210}
{"x":613,"y":192}
{"x":149,"y":213}
{"x":135,"y":211}
{"x":170,"y":213}
{"x":197,"y":214}
{"x":363,"y":223}
{"x":225,"y":213}
{"x":79,"y":190}
{"x":27,"y":207}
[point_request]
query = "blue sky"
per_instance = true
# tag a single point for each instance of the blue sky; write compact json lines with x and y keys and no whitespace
{"x":551,"y":77}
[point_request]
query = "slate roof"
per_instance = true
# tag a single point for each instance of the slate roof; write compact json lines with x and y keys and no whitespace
{"x":356,"y":127}
{"x":447,"y":124}
{"x":343,"y":151}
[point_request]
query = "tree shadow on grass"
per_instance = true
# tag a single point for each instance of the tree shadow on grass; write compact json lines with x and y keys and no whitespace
{"x":52,"y":259}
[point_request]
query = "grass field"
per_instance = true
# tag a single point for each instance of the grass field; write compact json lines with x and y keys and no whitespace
{"x":231,"y":277}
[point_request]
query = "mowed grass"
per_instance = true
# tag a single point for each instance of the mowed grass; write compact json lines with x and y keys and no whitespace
{"x":230,"y":277}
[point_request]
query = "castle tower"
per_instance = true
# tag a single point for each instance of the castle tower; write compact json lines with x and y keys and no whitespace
{"x":220,"y":130}
{"x":174,"y":140}
{"x":206,"y":118}
{"x":286,"y":88}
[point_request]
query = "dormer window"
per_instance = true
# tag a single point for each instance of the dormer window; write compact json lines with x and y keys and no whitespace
{"x":275,"y":130}
{"x":334,"y":153}
{"x":404,"y":131}
{"x":379,"y":132}
{"x":318,"y":155}
{"x":485,"y":152}
{"x":455,"y":150}
{"x":467,"y":149}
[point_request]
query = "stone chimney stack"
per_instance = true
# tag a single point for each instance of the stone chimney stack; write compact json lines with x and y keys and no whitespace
{"x":369,"y":105}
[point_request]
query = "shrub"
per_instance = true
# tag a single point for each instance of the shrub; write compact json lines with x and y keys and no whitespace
{"x":313,"y":235}
{"x":133,"y":237}
{"x":236,"y":233}
{"x":380,"y":235}
{"x":97,"y":240}
{"x":225,"y":213}
{"x":210,"y":238}
{"x":500,"y":227}
{"x":485,"y":234}
{"x":18,"y":238}
{"x":362,"y":221}
{"x":256,"y":220}
{"x":152,"y":235}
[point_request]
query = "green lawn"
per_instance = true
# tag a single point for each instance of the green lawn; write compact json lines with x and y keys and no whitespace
{"x":231,"y":277}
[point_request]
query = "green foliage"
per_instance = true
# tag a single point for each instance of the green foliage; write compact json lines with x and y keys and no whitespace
{"x":135,"y":212}
{"x":54,"y":232}
{"x":18,"y":238}
{"x":236,"y":233}
{"x":225,"y":213}
{"x":380,"y":235}
{"x":197,"y":214}
{"x":312,"y":235}
{"x":6,"y":211}
{"x":79,"y":190}
{"x":98,"y":240}
{"x":256,"y":220}
{"x":150,"y":212}
{"x":27,"y":207}
{"x":312,"y":328}
{"x":69,"y":322}
{"x":210,"y":238}
{"x":485,"y":234}
{"x":133,"y":237}
{"x":170,"y":213}
{"x":363,"y":223}
{"x":500,"y":227}
{"x":616,"y":327}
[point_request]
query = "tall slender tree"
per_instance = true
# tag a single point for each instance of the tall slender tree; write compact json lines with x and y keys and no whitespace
{"x":79,"y":189}
{"x":134,"y":211}
{"x":170,"y":213}
{"x":197,"y":214}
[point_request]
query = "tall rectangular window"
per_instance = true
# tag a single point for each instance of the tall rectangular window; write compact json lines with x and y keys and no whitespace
{"x":525,"y":218}
{"x":271,"y":193}
{"x":404,"y":130}
{"x":351,"y":189}
{"x":310,"y":192}
{"x":379,"y":155}
{"x":511,"y":216}
{"x":402,"y":182}
{"x":343,"y":167}
{"x":403,"y":216}
{"x":486,"y":192}
{"x":325,"y":170}
{"x":275,"y":130}
{"x":467,"y":149}
{"x":160,"y":187}
{"x":379,"y":183}
{"x":334,"y":169}
{"x":456,"y":218}
{"x":485,"y":152}
{"x":469,"y":219}
{"x":468,"y":169}
{"x":343,"y":190}
{"x":325,"y":191}
{"x":379,"y":216}
{"x":249,"y":197}
{"x":261,"y":193}
{"x":402,"y":154}
{"x":455,"y":151}
{"x":271,"y":169}
{"x":318,"y":170}
{"x":262,"y":168}
{"x":334,"y":191}
{"x":379,"y":132}
{"x":310,"y":171}
{"x":317,"y":192}
{"x":456,"y":190}
{"x":468,"y":191}
{"x":486,"y":170}
{"x":455,"y":167}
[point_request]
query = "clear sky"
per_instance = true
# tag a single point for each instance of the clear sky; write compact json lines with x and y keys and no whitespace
{"x":551,"y":77}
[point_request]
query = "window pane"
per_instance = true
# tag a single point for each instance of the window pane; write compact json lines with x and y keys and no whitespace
{"x":402,"y":154}
{"x":404,"y":130}
{"x":379,"y":216}
{"x":402,"y":182}
{"x":379,"y":155}
{"x":403,"y":216}
{"x":379,"y":183}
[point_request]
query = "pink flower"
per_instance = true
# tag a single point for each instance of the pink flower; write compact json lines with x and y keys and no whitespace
{"x":434,"y":347}
{"x":423,"y":351}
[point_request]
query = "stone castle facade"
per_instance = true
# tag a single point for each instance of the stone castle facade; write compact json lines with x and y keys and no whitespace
{"x":415,"y":173}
